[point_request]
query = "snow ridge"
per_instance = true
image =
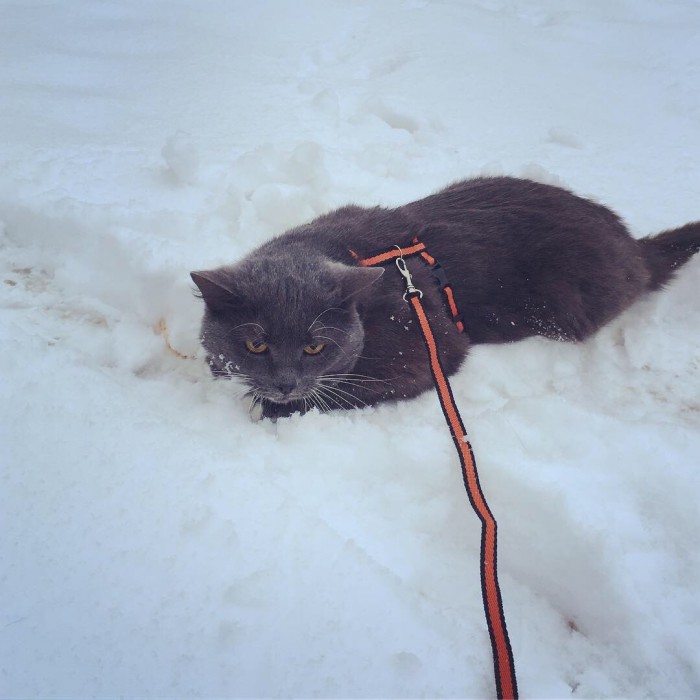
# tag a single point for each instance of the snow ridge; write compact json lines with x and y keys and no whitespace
{"x":155,"y":541}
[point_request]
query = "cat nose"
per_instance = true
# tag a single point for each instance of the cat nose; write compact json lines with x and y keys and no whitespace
{"x":286,"y":386}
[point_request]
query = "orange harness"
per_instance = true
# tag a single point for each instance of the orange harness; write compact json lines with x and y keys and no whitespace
{"x":438,"y":273}
{"x":504,"y":668}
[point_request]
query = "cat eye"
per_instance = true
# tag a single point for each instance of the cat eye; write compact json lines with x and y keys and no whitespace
{"x":314,"y":348}
{"x":255,"y":346}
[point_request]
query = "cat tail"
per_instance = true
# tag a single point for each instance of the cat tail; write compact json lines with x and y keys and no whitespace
{"x":667,"y":251}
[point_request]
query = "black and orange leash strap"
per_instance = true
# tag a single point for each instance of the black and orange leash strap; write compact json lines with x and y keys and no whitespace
{"x":504,"y":667}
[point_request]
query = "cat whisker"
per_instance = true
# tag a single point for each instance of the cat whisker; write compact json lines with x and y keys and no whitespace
{"x":238,"y":377}
{"x":332,"y":308}
{"x":250,"y":323}
{"x":349,"y":393}
{"x":331,"y":328}
{"x":254,"y":400}
{"x":340,"y":394}
{"x":357,"y":377}
{"x":317,"y":397}
{"x":310,"y":399}
{"x":359,"y":381}
{"x":330,"y":388}
{"x":227,"y":374}
{"x":242,"y":392}
{"x":325,"y":337}
{"x":323,"y":391}
{"x":333,"y":382}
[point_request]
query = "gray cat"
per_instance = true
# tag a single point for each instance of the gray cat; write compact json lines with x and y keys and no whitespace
{"x":301,"y":324}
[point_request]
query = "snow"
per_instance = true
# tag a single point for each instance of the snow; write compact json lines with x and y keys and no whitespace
{"x":155,"y":542}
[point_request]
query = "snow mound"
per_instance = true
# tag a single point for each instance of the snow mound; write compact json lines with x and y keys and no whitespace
{"x":154,"y":540}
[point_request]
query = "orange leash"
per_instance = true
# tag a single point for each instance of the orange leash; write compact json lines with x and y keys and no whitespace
{"x":504,"y":667}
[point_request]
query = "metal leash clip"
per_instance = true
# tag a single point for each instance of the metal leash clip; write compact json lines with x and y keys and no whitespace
{"x":410,"y":289}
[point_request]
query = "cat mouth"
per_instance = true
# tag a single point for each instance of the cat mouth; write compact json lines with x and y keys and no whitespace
{"x":323,"y":395}
{"x":275,"y":405}
{"x":284,"y":400}
{"x":278,"y":397}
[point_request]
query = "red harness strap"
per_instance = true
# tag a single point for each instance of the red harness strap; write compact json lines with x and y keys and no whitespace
{"x":504,"y":667}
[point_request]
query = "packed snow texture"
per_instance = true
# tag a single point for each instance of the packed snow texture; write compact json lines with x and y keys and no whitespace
{"x":154,"y":540}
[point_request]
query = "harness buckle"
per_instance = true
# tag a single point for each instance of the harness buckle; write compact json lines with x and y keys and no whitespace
{"x":440,"y":276}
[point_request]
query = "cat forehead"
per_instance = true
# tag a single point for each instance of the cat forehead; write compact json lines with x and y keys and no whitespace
{"x":284,"y":292}
{"x":288,"y":300}
{"x":299,"y":321}
{"x":271,"y":317}
{"x":287,"y":281}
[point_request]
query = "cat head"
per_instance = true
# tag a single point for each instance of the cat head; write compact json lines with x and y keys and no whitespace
{"x":285,"y":325}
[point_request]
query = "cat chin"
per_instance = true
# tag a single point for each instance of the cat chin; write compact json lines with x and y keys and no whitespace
{"x":274,"y":410}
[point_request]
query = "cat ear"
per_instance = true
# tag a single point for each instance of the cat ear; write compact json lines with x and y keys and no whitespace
{"x":354,"y":280}
{"x":215,"y":286}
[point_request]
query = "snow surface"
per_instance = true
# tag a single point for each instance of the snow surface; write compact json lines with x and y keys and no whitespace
{"x":154,"y":541}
